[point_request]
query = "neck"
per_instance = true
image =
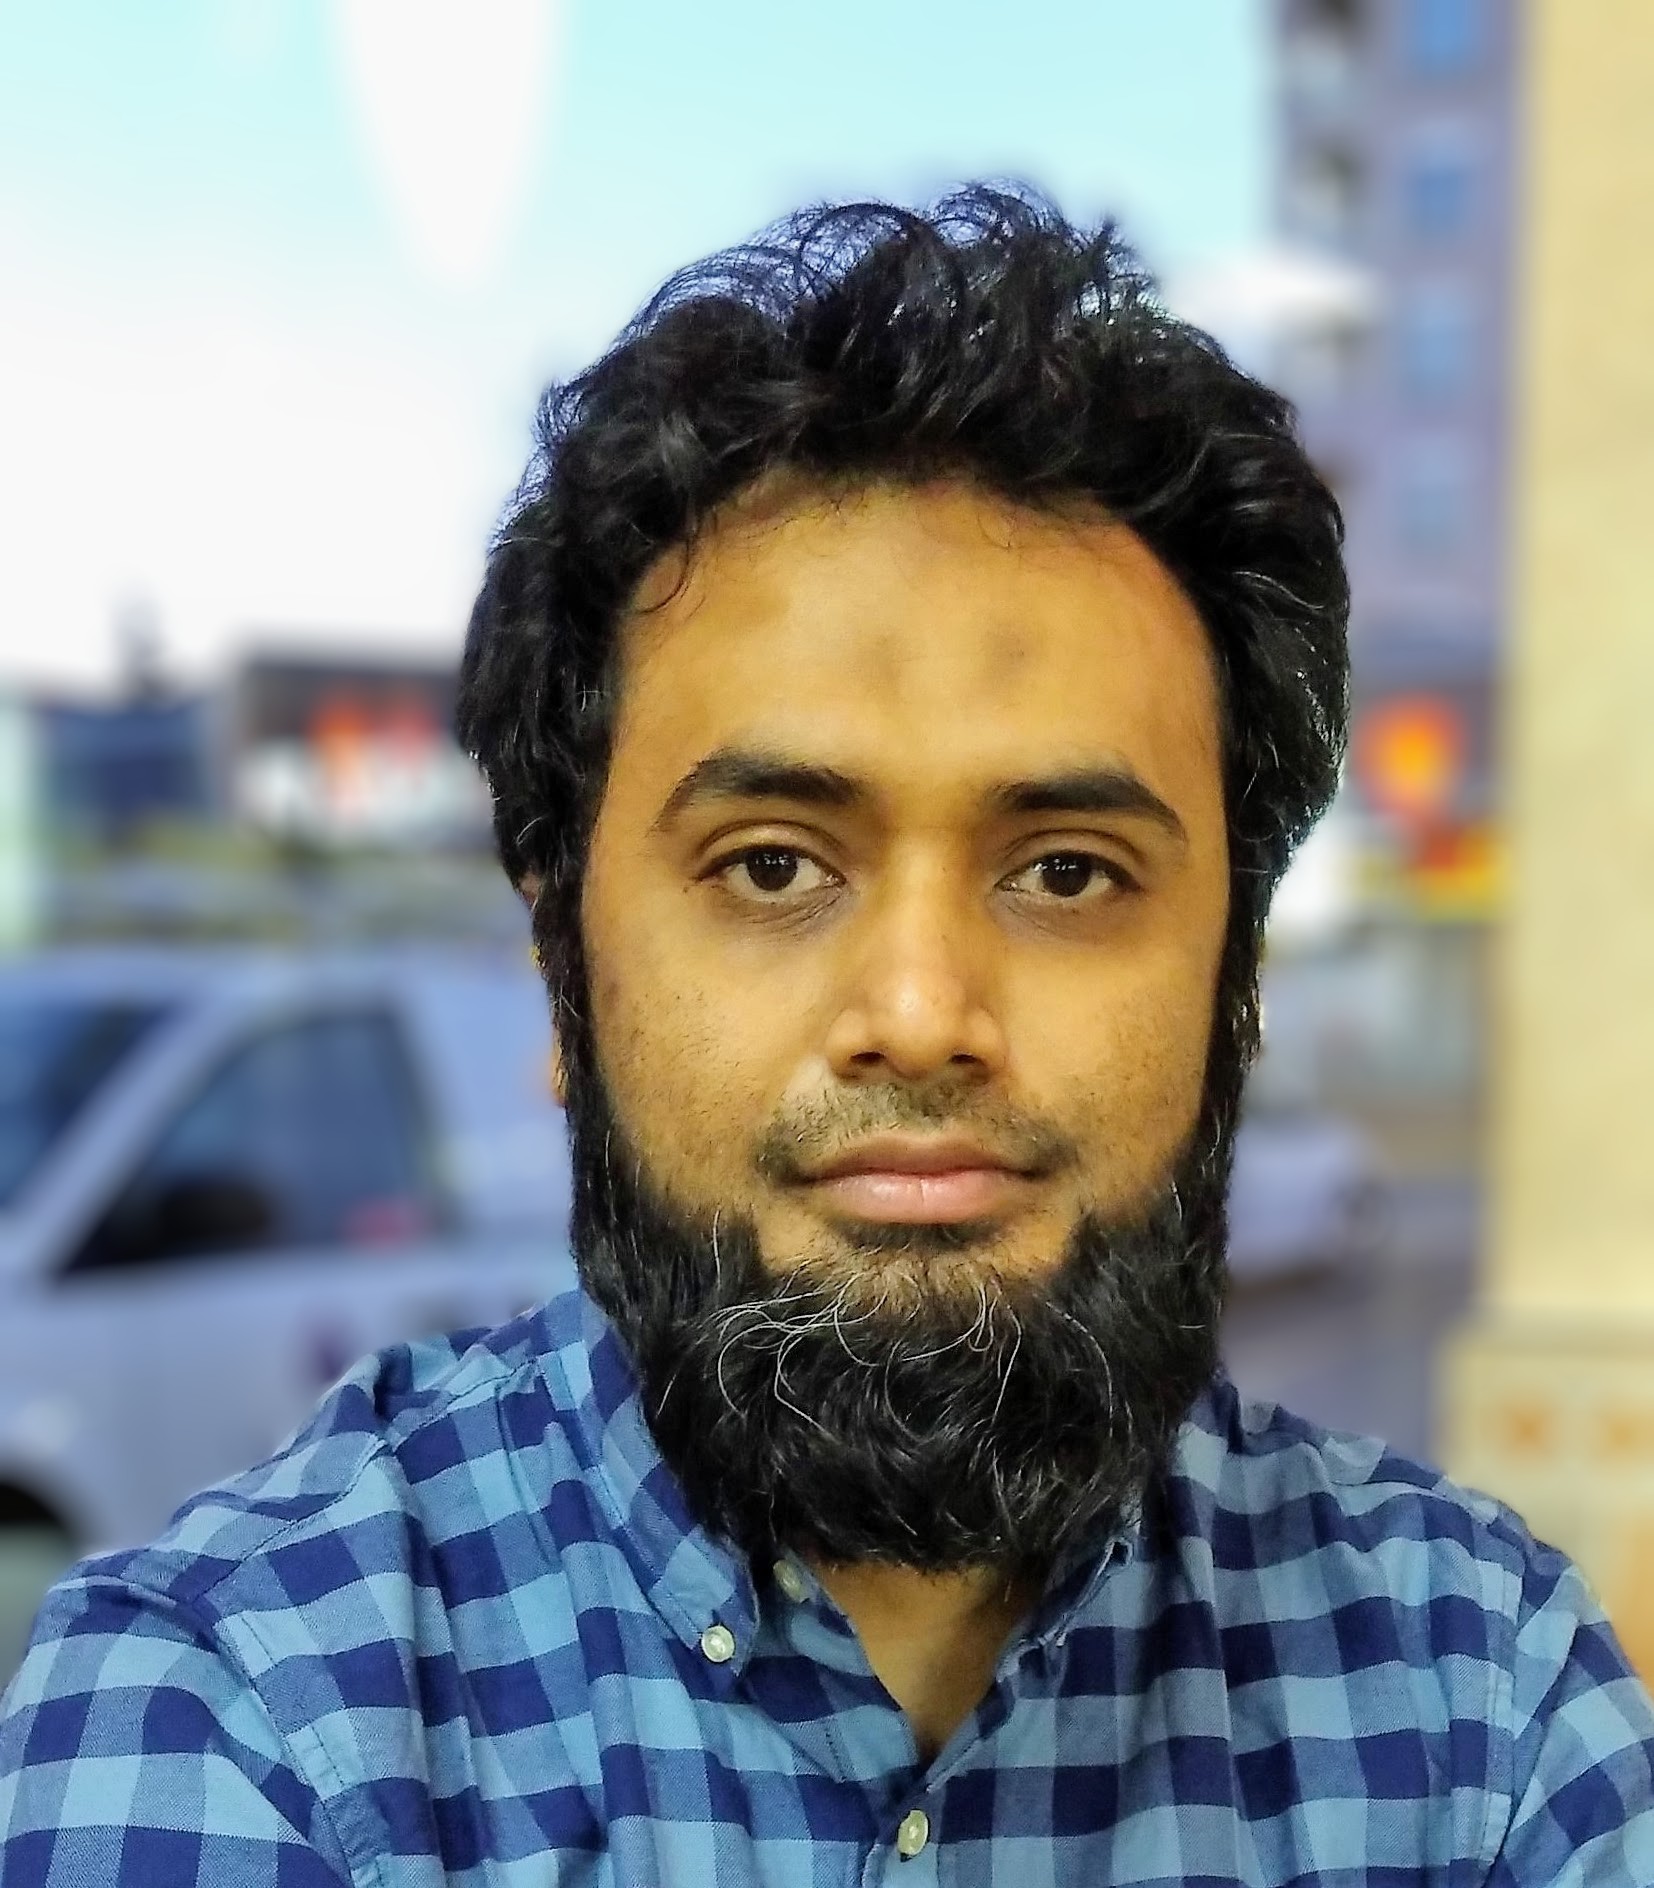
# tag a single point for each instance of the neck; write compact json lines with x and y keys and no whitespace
{"x":933,"y":1640}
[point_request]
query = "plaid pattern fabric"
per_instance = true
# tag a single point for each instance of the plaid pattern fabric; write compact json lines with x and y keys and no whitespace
{"x":462,"y":1631}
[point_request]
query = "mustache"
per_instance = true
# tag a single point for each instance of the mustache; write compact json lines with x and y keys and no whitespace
{"x":805,"y":1135}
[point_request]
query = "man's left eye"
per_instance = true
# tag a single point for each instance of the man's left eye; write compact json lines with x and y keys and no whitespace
{"x":1068,"y":876}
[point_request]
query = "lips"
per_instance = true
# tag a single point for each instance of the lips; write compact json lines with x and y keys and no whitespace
{"x":908,"y":1180}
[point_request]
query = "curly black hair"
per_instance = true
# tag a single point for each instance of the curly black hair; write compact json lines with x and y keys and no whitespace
{"x":988,"y":339}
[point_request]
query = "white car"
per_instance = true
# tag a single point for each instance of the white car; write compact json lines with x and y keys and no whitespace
{"x":224,"y":1176}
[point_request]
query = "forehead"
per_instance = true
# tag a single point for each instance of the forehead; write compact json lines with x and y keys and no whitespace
{"x":924,"y":638}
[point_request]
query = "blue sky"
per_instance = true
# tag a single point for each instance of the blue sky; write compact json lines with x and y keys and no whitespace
{"x":279,"y":279}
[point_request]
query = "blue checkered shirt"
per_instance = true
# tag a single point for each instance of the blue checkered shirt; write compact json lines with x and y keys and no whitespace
{"x":463,"y":1630}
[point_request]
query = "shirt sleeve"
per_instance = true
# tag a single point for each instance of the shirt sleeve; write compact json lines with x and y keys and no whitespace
{"x":1583,"y":1788}
{"x":134,"y":1751}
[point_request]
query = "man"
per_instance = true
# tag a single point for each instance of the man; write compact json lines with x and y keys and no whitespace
{"x":902,"y":682}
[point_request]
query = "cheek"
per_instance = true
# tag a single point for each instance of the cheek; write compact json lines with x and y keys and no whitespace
{"x":1155,"y":1068}
{"x":673,"y":1070}
{"x":1134,"y":1079}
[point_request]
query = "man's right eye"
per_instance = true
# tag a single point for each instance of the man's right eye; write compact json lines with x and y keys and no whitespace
{"x":773,"y":872}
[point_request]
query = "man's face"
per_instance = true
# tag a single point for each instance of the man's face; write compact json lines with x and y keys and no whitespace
{"x":907,"y":893}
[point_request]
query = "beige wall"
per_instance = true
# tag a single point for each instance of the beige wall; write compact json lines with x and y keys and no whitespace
{"x":1551,"y":1393}
{"x":1575,"y":1148}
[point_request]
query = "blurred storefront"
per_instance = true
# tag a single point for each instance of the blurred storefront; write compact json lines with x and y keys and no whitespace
{"x":351,"y":753}
{"x":304,"y":797}
{"x":112,"y":772}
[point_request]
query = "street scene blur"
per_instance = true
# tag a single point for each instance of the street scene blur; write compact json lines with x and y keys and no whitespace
{"x":284,"y":282}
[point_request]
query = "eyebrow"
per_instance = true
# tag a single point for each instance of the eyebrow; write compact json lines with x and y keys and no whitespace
{"x":1090,"y":790}
{"x":745,"y":774}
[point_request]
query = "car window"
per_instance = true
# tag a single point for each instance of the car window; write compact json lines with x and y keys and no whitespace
{"x":55,"y":1053}
{"x":309,"y":1135}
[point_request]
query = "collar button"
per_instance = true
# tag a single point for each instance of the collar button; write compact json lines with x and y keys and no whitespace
{"x":718,"y":1643}
{"x":791,"y":1582}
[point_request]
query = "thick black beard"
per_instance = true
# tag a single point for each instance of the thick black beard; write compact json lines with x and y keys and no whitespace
{"x":905,"y":1406}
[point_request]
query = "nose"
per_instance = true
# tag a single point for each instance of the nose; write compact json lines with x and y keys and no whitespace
{"x":919,"y":994}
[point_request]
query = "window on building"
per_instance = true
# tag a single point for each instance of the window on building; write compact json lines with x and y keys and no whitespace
{"x":1318,"y":67}
{"x":1435,"y":344}
{"x":1331,"y":16}
{"x":1320,"y":48}
{"x":1326,"y":195}
{"x":1436,"y":194}
{"x":309,"y":1135}
{"x":1443,"y":37}
{"x":1433,"y":500}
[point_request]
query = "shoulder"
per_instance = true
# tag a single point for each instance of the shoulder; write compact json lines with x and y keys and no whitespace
{"x":405,"y":1448}
{"x":312,"y":1564}
{"x":1324,"y":1554}
{"x":283,"y":1631}
{"x":1280,"y":1498}
{"x":1331,"y":1555}
{"x":1368,"y":1627}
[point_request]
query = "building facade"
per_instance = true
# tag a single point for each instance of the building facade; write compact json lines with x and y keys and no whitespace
{"x":1397,"y":154}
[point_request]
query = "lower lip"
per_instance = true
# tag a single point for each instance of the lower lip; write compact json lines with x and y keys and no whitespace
{"x":921,"y":1199}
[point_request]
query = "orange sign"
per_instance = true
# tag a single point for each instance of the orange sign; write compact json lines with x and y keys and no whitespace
{"x":1410,"y":755}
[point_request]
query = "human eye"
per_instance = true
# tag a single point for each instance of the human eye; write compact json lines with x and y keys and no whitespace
{"x":1070,"y":876}
{"x":774,"y":875}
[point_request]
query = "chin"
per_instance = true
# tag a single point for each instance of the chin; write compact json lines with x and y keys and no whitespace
{"x":883,"y":1259}
{"x":935,"y":1395}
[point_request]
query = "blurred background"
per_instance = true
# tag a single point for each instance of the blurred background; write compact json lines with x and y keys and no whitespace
{"x":280,"y":281}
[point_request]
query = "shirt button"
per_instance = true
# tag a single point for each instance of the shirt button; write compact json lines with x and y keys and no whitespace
{"x":718,"y":1643}
{"x":791,"y":1582}
{"x":913,"y":1834}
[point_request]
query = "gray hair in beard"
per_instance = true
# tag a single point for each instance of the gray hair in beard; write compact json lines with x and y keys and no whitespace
{"x":906,"y":1404}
